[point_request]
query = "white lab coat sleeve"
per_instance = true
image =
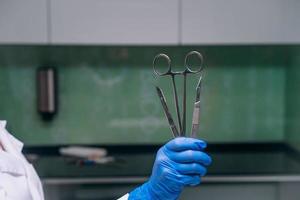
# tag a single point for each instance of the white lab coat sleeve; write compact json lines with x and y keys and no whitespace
{"x":2,"y":193}
{"x":15,"y":172}
{"x":125,"y":197}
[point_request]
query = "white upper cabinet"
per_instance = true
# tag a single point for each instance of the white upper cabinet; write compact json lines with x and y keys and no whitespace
{"x":240,"y":21}
{"x":149,"y":22}
{"x":114,"y":22}
{"x":23,"y":22}
{"x":291,"y":29}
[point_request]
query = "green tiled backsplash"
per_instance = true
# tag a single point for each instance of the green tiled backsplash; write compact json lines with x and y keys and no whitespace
{"x":107,"y":95}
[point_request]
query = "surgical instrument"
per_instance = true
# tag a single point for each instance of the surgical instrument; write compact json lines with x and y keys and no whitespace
{"x":167,"y":112}
{"x":169,"y":72}
{"x":172,"y":74}
{"x":196,"y":112}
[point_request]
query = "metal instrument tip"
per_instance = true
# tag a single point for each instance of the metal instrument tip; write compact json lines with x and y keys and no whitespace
{"x":199,"y":83}
{"x":158,"y":89}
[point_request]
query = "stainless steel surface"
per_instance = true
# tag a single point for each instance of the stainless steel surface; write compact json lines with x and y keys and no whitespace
{"x":188,"y":69}
{"x":175,"y":95}
{"x":46,"y":89}
{"x":112,"y":180}
{"x":196,"y":111}
{"x":207,"y":179}
{"x":169,"y":72}
{"x":167,"y":112}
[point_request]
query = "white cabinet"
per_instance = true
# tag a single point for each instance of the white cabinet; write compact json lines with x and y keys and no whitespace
{"x":23,"y":22}
{"x":291,"y":29}
{"x":114,"y":22}
{"x":240,"y":21}
{"x":149,"y":22}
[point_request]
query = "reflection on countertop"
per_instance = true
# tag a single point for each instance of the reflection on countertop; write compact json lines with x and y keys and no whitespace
{"x":137,"y":160}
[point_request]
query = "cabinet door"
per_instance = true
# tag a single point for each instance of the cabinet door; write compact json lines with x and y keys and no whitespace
{"x":240,"y":21}
{"x":291,"y":29}
{"x":241,"y":191}
{"x":289,"y":191}
{"x":114,"y":21}
{"x":23,"y":21}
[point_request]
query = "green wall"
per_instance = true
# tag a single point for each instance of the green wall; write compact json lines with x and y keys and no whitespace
{"x":107,"y":95}
{"x":293,"y":100}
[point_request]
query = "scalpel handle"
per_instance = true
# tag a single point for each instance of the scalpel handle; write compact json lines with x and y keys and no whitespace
{"x":167,"y":112}
{"x":196,"y":119}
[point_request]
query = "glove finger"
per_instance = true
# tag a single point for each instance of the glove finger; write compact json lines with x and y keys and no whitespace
{"x":190,"y":156}
{"x":193,"y":168}
{"x":183,"y":143}
{"x":191,"y":180}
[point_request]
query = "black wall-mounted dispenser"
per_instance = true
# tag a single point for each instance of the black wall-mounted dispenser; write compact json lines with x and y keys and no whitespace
{"x":47,"y":92}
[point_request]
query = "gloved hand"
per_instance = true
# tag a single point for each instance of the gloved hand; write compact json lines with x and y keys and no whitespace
{"x":179,"y":163}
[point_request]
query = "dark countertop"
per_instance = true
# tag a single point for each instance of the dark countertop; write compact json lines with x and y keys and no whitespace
{"x":137,"y":160}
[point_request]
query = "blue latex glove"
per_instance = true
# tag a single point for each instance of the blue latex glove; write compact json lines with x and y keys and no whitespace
{"x":179,"y":163}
